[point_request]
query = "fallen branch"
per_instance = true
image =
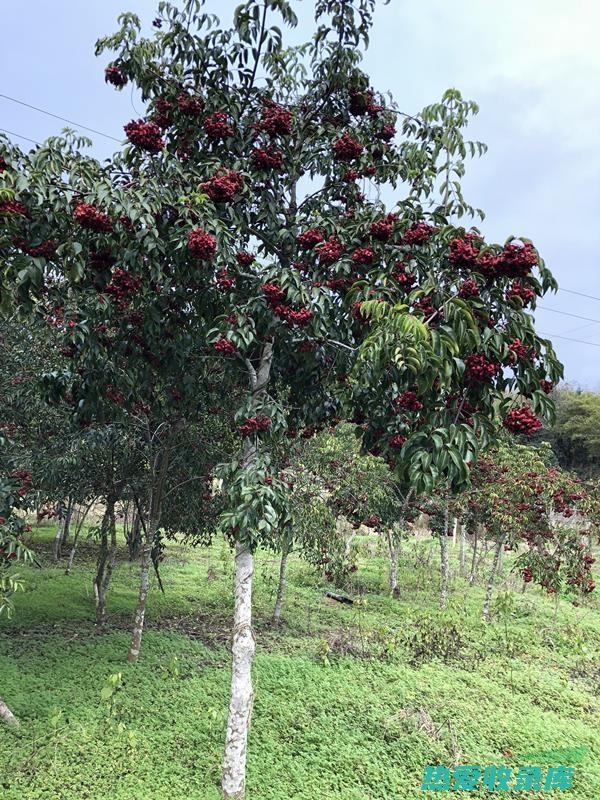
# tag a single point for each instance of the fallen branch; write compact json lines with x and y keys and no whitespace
{"x":340,"y":598}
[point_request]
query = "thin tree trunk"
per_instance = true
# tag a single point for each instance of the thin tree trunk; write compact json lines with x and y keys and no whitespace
{"x":240,"y":707}
{"x":243,"y":645}
{"x":490,"y":583}
{"x":7,"y":715}
{"x":394,"y":548}
{"x":444,"y":569}
{"x":461,"y":550}
{"x":140,"y":613}
{"x":160,"y":464}
{"x":474,"y":559}
{"x":57,"y":539}
{"x":285,"y":551}
{"x":67,"y":526}
{"x":103,"y":566}
{"x":80,"y":523}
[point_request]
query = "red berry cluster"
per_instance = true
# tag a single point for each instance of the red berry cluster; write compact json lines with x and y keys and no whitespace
{"x":13,"y":207}
{"x":425,"y":306}
{"x":257,"y":424}
{"x":360,"y":102}
{"x":201,"y":245}
{"x":408,"y":401}
{"x":310,"y":238}
{"x":163,"y":112}
{"x":123,"y":286}
{"x":330,"y":251}
{"x":276,"y":120}
{"x":517,"y":351}
{"x":522,"y":420}
{"x":46,"y":249}
{"x":382,"y":229}
{"x":527,"y":574}
{"x":418,"y":234}
{"x":546,"y":386}
{"x":468,"y":289}
{"x":299,"y":318}
{"x":363,"y":255}
{"x":224,"y":345}
{"x":346,"y":148}
{"x":25,"y":477}
{"x":224,"y":282}
{"x":357,"y":312}
{"x":223,"y":188}
{"x":115,"y":76}
{"x":405,"y":279}
{"x":518,"y":260}
{"x":245,"y":259}
{"x":478,"y":368}
{"x":3,"y":165}
{"x":115,"y":395}
{"x":396,"y":441}
{"x":387,"y":133}
{"x":273,"y":293}
{"x":90,"y":217}
{"x":525,"y":293}
{"x":145,"y":135}
{"x":463,"y":252}
{"x":190,"y":105}
{"x":217,"y":127}
{"x":267,"y":158}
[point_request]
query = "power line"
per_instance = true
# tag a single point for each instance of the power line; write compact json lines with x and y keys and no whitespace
{"x":57,"y":116}
{"x":18,"y":135}
{"x":568,"y":314}
{"x":568,"y":338}
{"x":581,"y":294}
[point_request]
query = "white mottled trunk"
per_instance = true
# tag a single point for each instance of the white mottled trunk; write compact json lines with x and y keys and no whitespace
{"x":490,"y":583}
{"x":7,"y":715}
{"x":240,"y":707}
{"x":444,"y":566}
{"x":140,"y":614}
{"x":461,"y":550}
{"x":444,"y":569}
{"x":394,"y":548}
{"x":474,"y":559}
{"x":56,"y":544}
{"x":281,"y":586}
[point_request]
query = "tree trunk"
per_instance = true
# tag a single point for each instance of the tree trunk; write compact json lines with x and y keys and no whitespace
{"x":394,"y":548}
{"x":243,"y":646}
{"x":474,"y":559}
{"x":240,"y":707}
{"x":67,"y":526}
{"x":461,"y":550}
{"x":140,"y":614}
{"x":7,"y":715}
{"x":80,"y":523}
{"x":285,"y":551}
{"x":134,"y":539}
{"x":490,"y":583}
{"x":103,"y":565}
{"x":444,"y":570}
{"x":57,"y":539}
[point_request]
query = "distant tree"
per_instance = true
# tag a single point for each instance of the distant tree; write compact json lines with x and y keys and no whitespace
{"x":575,"y":434}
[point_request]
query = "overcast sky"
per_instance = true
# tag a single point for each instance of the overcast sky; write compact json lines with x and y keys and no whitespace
{"x":532,"y":65}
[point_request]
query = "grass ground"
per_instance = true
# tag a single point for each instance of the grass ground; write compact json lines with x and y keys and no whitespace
{"x":351,"y":702}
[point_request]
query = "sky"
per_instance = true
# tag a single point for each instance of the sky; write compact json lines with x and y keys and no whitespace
{"x":533,"y":66}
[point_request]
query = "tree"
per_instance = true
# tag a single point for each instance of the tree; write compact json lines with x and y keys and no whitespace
{"x":516,"y":493}
{"x":231,"y":236}
{"x":575,"y":434}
